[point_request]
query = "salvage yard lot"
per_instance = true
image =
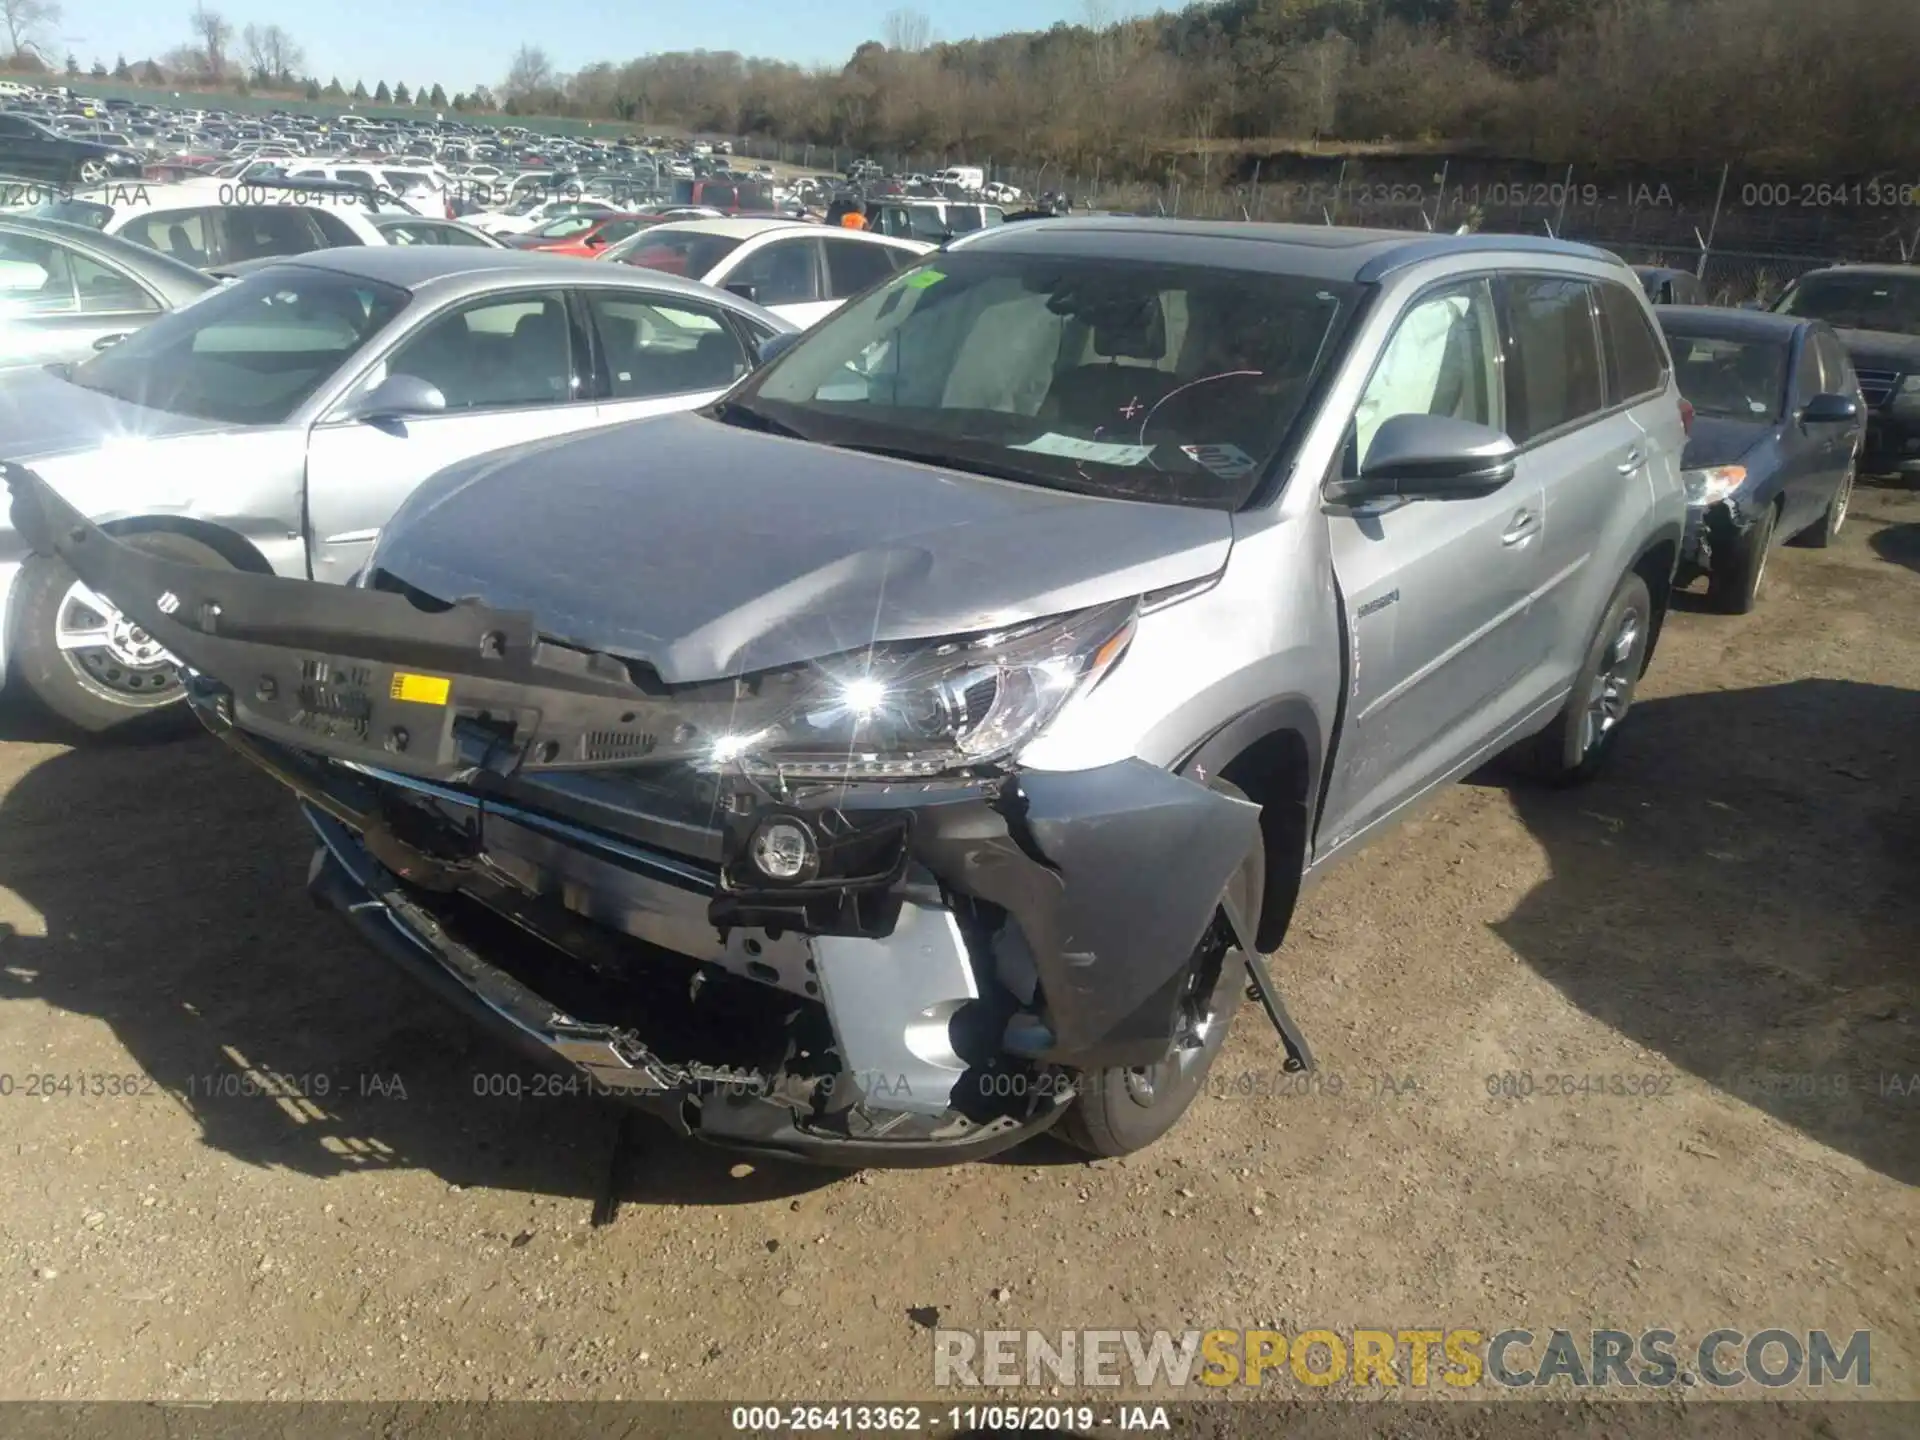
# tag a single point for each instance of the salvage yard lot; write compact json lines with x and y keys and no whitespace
{"x":1729,"y":923}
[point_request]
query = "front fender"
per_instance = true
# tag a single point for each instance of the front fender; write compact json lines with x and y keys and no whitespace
{"x":1113,"y":875}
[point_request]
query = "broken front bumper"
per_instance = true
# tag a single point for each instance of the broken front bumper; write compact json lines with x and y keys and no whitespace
{"x":515,"y":821}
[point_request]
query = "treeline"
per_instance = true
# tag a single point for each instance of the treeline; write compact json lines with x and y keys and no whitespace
{"x":1820,"y":84}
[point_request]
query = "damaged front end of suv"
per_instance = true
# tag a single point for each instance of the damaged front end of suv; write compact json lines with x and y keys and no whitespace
{"x":816,"y":910}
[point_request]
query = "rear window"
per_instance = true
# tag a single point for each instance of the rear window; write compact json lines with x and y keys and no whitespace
{"x":1636,"y":364}
{"x":248,"y":353}
{"x":680,"y":252}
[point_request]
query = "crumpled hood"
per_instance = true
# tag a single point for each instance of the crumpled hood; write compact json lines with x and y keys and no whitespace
{"x":706,"y":550}
{"x":43,"y":415}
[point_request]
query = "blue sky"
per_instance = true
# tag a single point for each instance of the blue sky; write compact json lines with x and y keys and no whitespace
{"x":460,"y":43}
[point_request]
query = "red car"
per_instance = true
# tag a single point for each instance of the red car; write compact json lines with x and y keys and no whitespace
{"x":585,"y":236}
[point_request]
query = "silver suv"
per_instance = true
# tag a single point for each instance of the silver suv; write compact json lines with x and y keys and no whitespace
{"x":920,"y":746}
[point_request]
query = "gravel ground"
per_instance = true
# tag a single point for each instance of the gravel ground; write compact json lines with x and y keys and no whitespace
{"x":1737,"y":902}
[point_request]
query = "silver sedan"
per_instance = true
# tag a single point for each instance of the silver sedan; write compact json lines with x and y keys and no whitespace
{"x":278,"y":422}
{"x":67,"y":290}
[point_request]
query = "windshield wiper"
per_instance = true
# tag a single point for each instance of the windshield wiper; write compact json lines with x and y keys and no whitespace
{"x":954,"y":462}
{"x":738,"y":412}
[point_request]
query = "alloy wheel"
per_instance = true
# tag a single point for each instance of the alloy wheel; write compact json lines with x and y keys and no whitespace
{"x":1611,"y":693}
{"x":110,"y":653}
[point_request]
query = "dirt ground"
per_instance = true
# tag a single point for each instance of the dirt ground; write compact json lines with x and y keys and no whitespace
{"x":1737,"y":905}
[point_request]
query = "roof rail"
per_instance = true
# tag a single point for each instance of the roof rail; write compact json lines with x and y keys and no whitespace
{"x":1430,"y":247}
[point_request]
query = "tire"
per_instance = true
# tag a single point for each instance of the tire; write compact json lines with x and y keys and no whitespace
{"x":90,"y":172}
{"x":1827,"y":529}
{"x":1123,"y":1109}
{"x":98,"y":688}
{"x":1575,"y":747}
{"x":1733,"y":585}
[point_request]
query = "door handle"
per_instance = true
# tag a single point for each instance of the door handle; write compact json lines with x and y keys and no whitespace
{"x":1635,"y":459}
{"x":1522,"y":528}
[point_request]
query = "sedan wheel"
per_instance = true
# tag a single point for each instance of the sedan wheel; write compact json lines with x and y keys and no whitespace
{"x":109,"y":652}
{"x":92,"y":172}
{"x":81,"y":657}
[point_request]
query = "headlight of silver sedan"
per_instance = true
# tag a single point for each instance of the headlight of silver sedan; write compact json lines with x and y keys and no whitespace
{"x":923,"y":708}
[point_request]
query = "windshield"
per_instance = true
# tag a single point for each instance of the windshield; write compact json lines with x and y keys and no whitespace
{"x":1858,"y":301}
{"x":248,"y":353}
{"x":692,"y":253}
{"x":1730,"y":379}
{"x":1148,"y":381}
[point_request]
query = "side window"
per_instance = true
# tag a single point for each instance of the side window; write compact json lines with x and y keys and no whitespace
{"x":502,"y":351}
{"x":358,"y":177}
{"x":1553,"y":372}
{"x":654,"y":348}
{"x":1807,"y":378}
{"x":616,"y":230}
{"x":36,"y":277}
{"x":1636,"y":363}
{"x":333,"y":229}
{"x":106,"y":291}
{"x":853,"y":266}
{"x":1443,"y":359}
{"x":1834,"y":362}
{"x":186,"y":235}
{"x":254,"y":231}
{"x":784,"y":272}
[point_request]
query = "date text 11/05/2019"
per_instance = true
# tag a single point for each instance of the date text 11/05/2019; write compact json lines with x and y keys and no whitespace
{"x":951,"y":1419}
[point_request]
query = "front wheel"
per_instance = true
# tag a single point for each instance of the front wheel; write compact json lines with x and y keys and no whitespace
{"x":1733,"y":585}
{"x":91,"y":172}
{"x":84,"y":660}
{"x":1827,"y":530}
{"x":1126,"y":1108}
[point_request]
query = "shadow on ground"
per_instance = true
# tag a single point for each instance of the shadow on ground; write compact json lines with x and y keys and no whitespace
{"x":1742,"y":896}
{"x":1898,"y":545}
{"x":170,"y":879}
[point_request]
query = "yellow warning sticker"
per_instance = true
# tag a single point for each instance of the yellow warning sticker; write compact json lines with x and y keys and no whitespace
{"x":423,"y":689}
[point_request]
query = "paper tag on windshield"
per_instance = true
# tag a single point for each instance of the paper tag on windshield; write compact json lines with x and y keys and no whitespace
{"x":1229,"y":462}
{"x":1099,"y":451}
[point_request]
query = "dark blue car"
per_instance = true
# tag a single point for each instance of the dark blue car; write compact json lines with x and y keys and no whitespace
{"x":1777,"y":431}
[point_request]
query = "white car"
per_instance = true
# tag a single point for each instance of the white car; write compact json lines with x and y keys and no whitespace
{"x":802,"y":272}
{"x":519,"y":221}
{"x":210,"y":222}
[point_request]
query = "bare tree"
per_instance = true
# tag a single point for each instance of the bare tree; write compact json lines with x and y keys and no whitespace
{"x":908,"y":31}
{"x":271,"y":53}
{"x":214,"y":32}
{"x":530,"y":74}
{"x":27,"y":22}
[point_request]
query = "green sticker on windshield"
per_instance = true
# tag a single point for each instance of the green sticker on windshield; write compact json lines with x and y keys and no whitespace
{"x":921,"y":279}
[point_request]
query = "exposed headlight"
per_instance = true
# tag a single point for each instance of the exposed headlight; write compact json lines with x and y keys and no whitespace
{"x":921,"y":708}
{"x":1713,"y":484}
{"x":1911,"y":385}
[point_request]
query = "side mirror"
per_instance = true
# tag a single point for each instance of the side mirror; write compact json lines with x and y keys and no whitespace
{"x":1429,"y":457}
{"x":396,"y":398}
{"x":1830,"y":410}
{"x":775,"y":346}
{"x":745,"y":289}
{"x":594,"y":242}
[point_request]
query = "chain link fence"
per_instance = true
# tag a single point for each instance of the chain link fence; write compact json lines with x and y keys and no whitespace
{"x":1744,"y":237}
